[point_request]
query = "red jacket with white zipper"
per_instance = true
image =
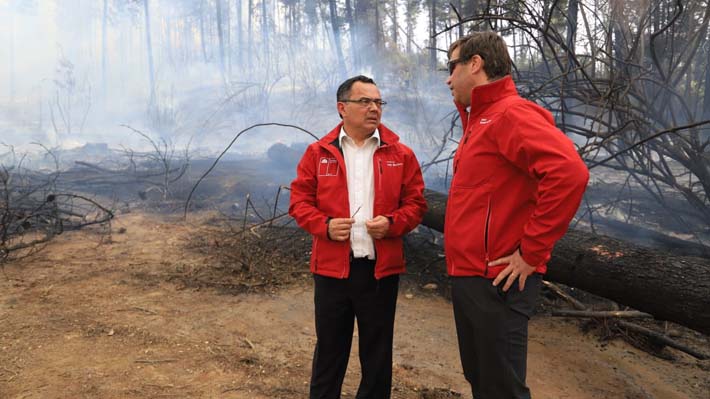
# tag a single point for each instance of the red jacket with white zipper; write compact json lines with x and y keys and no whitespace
{"x":517,"y":183}
{"x":320,"y":191}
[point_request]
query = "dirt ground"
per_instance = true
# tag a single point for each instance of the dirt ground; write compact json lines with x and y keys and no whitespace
{"x":94,"y":318}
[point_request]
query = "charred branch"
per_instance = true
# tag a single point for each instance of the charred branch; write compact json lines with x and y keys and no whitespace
{"x":631,"y":97}
{"x":630,"y":314}
{"x":656,"y":337}
{"x":32,"y":212}
{"x":189,"y":197}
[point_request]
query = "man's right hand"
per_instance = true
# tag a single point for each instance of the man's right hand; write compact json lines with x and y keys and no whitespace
{"x":339,"y":228}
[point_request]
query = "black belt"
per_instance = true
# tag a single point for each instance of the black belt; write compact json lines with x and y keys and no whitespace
{"x":361,"y":259}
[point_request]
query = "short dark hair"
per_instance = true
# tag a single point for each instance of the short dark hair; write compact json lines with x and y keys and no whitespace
{"x":489,"y":46}
{"x":345,"y":87}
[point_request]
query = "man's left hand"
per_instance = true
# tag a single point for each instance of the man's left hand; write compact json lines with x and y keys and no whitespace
{"x":378,"y":227}
{"x":517,"y":268}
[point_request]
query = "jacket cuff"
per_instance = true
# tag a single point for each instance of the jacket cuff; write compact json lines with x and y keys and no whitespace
{"x":327,"y":230}
{"x":320,"y":229}
{"x":534,"y":259}
{"x":390,"y":230}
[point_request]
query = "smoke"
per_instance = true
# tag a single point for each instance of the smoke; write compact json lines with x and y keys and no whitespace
{"x":76,"y":72}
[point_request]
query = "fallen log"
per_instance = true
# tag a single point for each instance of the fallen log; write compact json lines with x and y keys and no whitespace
{"x":658,"y":241}
{"x":673,"y":288}
{"x":663,"y":340}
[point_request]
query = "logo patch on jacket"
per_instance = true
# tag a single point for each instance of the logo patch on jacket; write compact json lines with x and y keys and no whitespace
{"x":393,"y":163}
{"x":328,"y":167}
{"x":485,"y":121}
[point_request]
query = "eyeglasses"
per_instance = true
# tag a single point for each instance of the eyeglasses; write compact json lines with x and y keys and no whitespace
{"x":366,"y":101}
{"x":451,"y":65}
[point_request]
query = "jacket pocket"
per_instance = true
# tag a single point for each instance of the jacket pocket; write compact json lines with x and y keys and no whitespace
{"x":329,"y":257}
{"x":390,"y":257}
{"x":465,"y":228}
{"x":522,"y":302}
{"x":390,"y":172}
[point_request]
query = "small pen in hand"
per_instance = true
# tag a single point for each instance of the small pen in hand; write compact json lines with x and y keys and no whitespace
{"x":356,"y":211}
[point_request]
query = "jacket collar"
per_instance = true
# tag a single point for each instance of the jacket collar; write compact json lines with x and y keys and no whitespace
{"x":343,"y":135}
{"x":386,"y":136}
{"x":482,"y":96}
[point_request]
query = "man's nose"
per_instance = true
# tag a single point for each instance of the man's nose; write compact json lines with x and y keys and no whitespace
{"x":448,"y":81}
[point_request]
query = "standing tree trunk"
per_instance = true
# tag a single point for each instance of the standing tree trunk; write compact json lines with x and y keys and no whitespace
{"x":265,"y":37}
{"x":618,"y":41}
{"x":378,"y":28}
{"x":460,"y":9}
{"x":104,"y":23}
{"x":228,"y":38}
{"x":203,"y":36}
{"x":706,"y":97}
{"x":311,"y":10}
{"x":571,"y":32}
{"x":353,"y":34}
{"x":149,"y":49}
{"x":336,"y":36}
{"x":220,"y":38}
{"x":571,"y":40}
{"x":240,"y":33}
{"x":250,"y":34}
{"x":12,"y":58}
{"x":411,"y":17}
{"x":472,"y":7}
{"x":365,"y":30}
{"x":395,"y":25}
{"x":168,"y":45}
{"x":432,"y":35}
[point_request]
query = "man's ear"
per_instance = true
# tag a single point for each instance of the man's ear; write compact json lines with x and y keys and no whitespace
{"x":341,"y":108}
{"x":477,"y":64}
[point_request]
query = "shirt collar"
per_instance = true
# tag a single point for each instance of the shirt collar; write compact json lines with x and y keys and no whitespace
{"x":375,"y":135}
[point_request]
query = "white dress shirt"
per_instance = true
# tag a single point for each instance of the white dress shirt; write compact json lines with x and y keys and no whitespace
{"x":361,"y":190}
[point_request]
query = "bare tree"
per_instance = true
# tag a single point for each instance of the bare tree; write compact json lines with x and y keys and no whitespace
{"x":164,"y":159}
{"x":631,"y":99}
{"x":71,"y":102}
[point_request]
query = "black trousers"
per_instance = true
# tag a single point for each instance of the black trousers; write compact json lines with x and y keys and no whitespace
{"x":492,"y":330}
{"x":338,"y":302}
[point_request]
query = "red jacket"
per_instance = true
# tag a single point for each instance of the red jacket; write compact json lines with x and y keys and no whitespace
{"x":517,"y":183}
{"x":320,"y":191}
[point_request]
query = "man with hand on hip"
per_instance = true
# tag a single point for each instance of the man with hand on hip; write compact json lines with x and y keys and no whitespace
{"x":517,"y":183}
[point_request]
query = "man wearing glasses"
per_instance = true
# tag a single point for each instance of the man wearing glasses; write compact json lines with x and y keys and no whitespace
{"x":358,"y":190}
{"x":517,"y":183}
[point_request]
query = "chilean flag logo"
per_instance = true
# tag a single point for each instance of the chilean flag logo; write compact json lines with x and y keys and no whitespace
{"x":328,"y":167}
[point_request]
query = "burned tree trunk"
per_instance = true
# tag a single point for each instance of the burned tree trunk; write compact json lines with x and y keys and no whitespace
{"x":674,"y":288}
